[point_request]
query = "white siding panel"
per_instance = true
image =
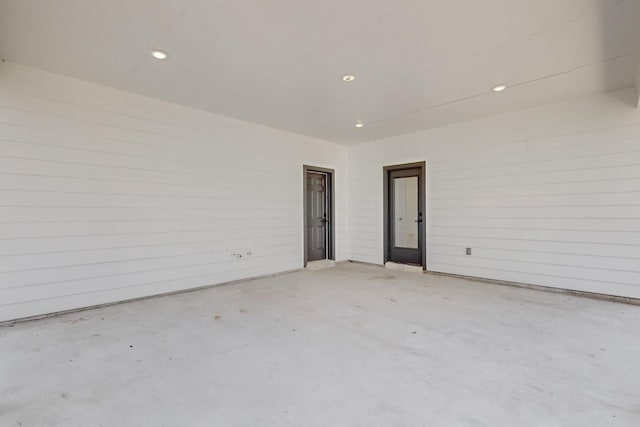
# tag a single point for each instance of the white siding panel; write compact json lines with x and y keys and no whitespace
{"x":547,"y":196}
{"x":106,"y":195}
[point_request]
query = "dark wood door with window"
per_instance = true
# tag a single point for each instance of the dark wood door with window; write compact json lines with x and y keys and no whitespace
{"x":405,"y":215}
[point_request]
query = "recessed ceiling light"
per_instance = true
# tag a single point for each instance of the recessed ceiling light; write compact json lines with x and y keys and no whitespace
{"x":359,"y":124}
{"x":348,"y":77}
{"x":158,"y":54}
{"x":498,"y":88}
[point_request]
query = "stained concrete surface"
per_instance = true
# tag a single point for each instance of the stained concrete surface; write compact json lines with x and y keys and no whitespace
{"x":352,"y":345}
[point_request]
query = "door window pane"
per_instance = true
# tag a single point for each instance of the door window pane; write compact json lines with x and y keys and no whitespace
{"x":405,"y":191}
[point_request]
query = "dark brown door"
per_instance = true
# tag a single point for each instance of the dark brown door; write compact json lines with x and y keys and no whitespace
{"x":405,"y":216}
{"x":317,"y":221}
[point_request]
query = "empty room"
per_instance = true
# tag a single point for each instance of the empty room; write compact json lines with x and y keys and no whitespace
{"x":320,"y":213}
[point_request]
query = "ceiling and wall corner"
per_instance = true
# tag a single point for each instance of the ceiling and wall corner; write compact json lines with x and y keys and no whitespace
{"x":108,"y":193}
{"x":418,"y":64}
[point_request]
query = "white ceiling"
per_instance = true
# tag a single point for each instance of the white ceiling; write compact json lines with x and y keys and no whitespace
{"x":418,"y":63}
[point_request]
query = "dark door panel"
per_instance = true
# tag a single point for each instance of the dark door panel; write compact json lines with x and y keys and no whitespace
{"x":316,"y":220}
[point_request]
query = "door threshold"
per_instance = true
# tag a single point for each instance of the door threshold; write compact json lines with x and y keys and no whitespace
{"x":320,"y":264}
{"x":403,"y":267}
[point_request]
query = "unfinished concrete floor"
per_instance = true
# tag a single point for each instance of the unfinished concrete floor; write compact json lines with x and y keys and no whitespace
{"x":352,"y":345}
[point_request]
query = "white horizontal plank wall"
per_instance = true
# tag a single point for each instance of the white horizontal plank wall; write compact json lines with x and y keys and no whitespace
{"x":106,"y":195}
{"x":547,"y":196}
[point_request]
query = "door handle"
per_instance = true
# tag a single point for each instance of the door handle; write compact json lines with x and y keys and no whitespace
{"x":418,"y":220}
